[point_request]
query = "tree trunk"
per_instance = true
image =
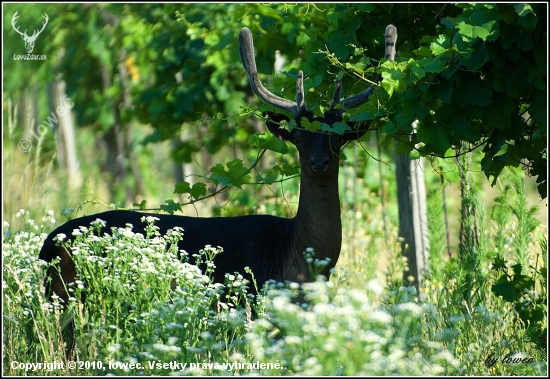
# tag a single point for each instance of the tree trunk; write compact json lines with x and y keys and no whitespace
{"x":177,"y":168}
{"x":114,"y":138}
{"x":66,"y":141}
{"x":382,"y":192}
{"x":127,"y":105}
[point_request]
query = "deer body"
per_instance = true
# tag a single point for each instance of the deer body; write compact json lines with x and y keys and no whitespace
{"x":271,"y":246}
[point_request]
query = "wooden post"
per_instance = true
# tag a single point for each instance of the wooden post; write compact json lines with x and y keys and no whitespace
{"x":411,"y":197}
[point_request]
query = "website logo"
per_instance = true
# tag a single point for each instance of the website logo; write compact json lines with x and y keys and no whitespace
{"x":29,"y":40}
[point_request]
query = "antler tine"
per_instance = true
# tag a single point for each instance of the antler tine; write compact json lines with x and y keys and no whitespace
{"x":390,"y":37}
{"x":44,"y":23}
{"x":13,"y":19}
{"x":357,"y":100}
{"x":390,"y":40}
{"x":246,"y":50}
{"x":336,"y":95}
{"x":300,"y":97}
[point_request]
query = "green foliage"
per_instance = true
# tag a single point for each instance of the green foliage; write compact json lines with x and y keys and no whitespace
{"x":476,"y":79}
{"x":131,"y":291}
{"x":235,"y":175}
{"x":484,"y":288}
{"x":522,"y":278}
{"x":345,"y":334}
{"x":263,"y":141}
{"x":473,"y":74}
{"x":511,"y":287}
{"x":355,"y":325}
{"x":196,"y":191}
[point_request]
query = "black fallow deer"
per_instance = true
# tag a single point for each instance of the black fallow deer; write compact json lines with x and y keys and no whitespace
{"x":271,"y":246}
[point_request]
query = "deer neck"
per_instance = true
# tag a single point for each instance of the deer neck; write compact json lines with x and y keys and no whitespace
{"x":317,"y":222}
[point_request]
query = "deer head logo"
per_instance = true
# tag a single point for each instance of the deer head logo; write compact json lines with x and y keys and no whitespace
{"x":29,"y":40}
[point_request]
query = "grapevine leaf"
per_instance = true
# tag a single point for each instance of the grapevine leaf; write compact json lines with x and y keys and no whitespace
{"x":435,"y":135}
{"x":141,"y":205}
{"x":311,"y":126}
{"x":473,"y":32}
{"x":288,"y":170}
{"x":182,"y":187}
{"x":418,"y":71}
{"x":198,"y":190}
{"x":498,"y":114}
{"x":270,"y":175}
{"x":291,"y":124}
{"x":337,"y":127}
{"x":440,"y":45}
{"x":340,"y":43}
{"x":423,"y":51}
{"x":389,"y":128}
{"x":236,"y":173}
{"x":505,"y":289}
{"x":527,"y":18}
{"x":170,"y":206}
{"x":478,"y":58}
{"x":269,"y":142}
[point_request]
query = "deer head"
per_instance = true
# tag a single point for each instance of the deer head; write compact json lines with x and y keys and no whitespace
{"x":29,"y":40}
{"x":312,"y":146}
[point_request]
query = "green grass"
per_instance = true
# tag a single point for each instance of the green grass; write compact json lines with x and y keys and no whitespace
{"x":146,"y":309}
{"x":132,"y":316}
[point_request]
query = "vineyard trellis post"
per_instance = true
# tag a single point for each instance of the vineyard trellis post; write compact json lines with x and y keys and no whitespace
{"x":413,"y":231}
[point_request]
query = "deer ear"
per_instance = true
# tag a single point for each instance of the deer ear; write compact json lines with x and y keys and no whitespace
{"x":359,"y":129}
{"x":273,"y":124}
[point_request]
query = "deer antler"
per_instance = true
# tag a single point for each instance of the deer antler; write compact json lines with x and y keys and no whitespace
{"x":24,"y":34}
{"x":35,"y":34}
{"x":363,"y":97}
{"x":390,"y":39}
{"x":336,"y":95}
{"x":246,"y":50}
{"x":15,"y":16}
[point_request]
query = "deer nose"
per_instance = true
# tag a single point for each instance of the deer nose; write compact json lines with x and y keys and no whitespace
{"x":319,"y":163}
